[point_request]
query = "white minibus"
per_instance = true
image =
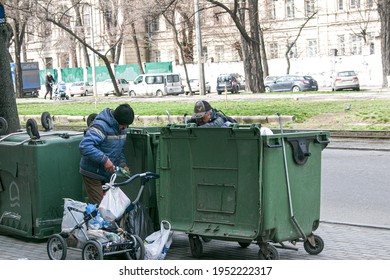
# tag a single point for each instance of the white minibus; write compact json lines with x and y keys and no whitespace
{"x":156,"y":84}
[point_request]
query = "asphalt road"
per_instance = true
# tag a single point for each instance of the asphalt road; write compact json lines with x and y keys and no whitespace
{"x":355,"y":186}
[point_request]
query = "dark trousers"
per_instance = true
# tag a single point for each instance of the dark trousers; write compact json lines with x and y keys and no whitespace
{"x":94,"y":189}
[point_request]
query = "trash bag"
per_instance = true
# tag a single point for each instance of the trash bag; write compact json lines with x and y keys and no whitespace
{"x":113,"y":204}
{"x":138,"y":221}
{"x":157,"y":244}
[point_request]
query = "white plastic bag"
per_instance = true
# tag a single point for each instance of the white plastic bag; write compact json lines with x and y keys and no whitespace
{"x":157,"y":244}
{"x":68,"y":222}
{"x":113,"y":204}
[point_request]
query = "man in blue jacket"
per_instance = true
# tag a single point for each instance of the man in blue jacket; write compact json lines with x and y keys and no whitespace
{"x":102,"y":149}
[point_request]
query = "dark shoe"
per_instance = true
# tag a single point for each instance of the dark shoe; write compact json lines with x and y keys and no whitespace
{"x":51,"y":98}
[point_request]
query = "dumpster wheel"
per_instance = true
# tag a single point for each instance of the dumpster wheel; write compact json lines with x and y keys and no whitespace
{"x":46,"y":121}
{"x":268,"y":252}
{"x":3,"y":126}
{"x":32,"y":129}
{"x":56,"y":247}
{"x":316,"y":241}
{"x":196,"y":246}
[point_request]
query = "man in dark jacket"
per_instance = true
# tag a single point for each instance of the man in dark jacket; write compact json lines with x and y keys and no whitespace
{"x":102,"y":149}
{"x":206,"y":116}
{"x":49,"y":84}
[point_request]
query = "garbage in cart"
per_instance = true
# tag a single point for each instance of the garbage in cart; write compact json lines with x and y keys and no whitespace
{"x":85,"y":228}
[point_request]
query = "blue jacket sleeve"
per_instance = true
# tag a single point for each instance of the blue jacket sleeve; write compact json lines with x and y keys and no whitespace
{"x":90,"y":144}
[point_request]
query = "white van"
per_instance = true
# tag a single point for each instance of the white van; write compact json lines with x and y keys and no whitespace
{"x":156,"y":84}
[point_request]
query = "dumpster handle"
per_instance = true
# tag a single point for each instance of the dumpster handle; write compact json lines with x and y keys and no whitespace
{"x":295,"y":222}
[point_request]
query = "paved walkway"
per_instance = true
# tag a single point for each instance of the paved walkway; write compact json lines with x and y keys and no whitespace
{"x":342,"y":242}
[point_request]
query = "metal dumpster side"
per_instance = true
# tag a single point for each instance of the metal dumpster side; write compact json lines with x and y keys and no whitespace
{"x":35,"y":175}
{"x":141,"y":152}
{"x":302,"y":202}
{"x":231,"y":184}
{"x":209,"y":185}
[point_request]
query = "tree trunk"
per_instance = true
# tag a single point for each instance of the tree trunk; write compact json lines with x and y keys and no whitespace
{"x":384,"y":14}
{"x":137,"y":51}
{"x":263,"y":54}
{"x":8,"y":108}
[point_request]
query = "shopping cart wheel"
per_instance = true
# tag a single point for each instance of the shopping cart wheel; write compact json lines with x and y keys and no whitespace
{"x":196,"y":246}
{"x":56,"y":247}
{"x":244,"y":244}
{"x":270,"y":253}
{"x":317,"y":248}
{"x":92,"y":250}
{"x":138,"y":250}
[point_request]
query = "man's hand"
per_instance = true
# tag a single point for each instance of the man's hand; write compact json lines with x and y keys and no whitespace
{"x":109,"y":166}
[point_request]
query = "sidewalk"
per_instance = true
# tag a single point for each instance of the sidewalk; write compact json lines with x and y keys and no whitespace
{"x":342,"y":242}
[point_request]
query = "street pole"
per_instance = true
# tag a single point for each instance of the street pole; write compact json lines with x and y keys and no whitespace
{"x":202,"y":88}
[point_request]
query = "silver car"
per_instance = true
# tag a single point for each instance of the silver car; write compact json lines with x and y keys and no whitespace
{"x":108,"y":87}
{"x":345,"y":80}
{"x":81,"y":88}
{"x":194,"y":83}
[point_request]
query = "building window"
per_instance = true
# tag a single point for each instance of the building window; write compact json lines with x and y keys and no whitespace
{"x":310,"y":5}
{"x":355,"y":4}
{"x":219,"y":51}
{"x":153,"y":24}
{"x":290,"y":8}
{"x":311,"y":47}
{"x":341,"y":4}
{"x":157,"y":56}
{"x":270,"y":8}
{"x":370,"y":3}
{"x":356,"y":45}
{"x":340,"y":45}
{"x":205,"y":54}
{"x":372,"y":48}
{"x":49,"y":62}
{"x":273,"y":50}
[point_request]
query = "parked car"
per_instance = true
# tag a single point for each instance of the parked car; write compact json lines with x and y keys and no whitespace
{"x":156,"y":84}
{"x":270,"y":79}
{"x":108,"y":87}
{"x":195,"y":87}
{"x":80,"y":88}
{"x":294,"y":83}
{"x":232,"y":82}
{"x":345,"y":80}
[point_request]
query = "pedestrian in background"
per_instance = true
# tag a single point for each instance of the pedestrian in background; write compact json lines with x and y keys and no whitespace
{"x":49,"y":84}
{"x":102,"y":149}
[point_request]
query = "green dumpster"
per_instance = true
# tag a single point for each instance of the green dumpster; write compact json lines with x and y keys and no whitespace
{"x":231,"y":184}
{"x":141,"y":152}
{"x":35,"y":176}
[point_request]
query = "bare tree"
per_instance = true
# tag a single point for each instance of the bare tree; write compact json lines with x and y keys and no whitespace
{"x":47,"y":11}
{"x":8,"y":108}
{"x":245,"y":15}
{"x":18,"y":17}
{"x":291,"y":44}
{"x":180,"y":17}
